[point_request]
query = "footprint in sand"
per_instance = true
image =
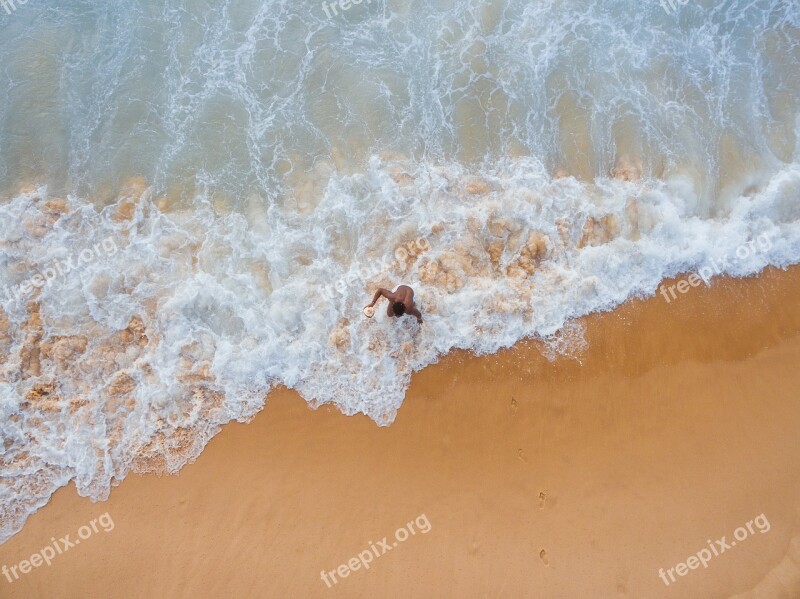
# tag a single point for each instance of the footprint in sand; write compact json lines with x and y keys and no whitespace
{"x":521,"y":455}
{"x":542,"y":499}
{"x":543,"y":557}
{"x":513,"y":405}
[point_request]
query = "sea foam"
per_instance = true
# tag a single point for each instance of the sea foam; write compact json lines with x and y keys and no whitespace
{"x":133,"y":361}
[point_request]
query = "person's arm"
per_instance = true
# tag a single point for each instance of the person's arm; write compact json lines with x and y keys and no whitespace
{"x":381,"y":292}
{"x":415,"y":312}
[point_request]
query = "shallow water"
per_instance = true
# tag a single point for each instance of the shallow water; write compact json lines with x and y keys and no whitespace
{"x":210,"y":193}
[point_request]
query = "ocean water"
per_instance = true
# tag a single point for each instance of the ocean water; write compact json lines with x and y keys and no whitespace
{"x":198,"y":198}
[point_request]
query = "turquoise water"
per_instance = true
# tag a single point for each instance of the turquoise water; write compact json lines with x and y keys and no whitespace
{"x":246,"y":97}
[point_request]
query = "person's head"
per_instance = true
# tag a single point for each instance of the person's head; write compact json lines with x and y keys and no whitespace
{"x":399,"y":308}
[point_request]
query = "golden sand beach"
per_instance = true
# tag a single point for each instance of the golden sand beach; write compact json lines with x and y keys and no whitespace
{"x":521,"y":477}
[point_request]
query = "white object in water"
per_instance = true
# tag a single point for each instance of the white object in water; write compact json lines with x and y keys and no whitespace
{"x":369,"y":311}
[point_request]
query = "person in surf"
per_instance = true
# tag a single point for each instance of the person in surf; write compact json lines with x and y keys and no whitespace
{"x":401,"y":301}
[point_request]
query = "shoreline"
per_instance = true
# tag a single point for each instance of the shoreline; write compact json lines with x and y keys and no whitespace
{"x":537,"y":478}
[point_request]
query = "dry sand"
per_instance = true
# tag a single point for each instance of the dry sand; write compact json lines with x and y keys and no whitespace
{"x":538,"y":479}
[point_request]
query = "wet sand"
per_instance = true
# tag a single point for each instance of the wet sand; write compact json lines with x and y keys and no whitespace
{"x":576,"y":478}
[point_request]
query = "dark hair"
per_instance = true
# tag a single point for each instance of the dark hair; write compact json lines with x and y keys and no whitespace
{"x":399,"y":308}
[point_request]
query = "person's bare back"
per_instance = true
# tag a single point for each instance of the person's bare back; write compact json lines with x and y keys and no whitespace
{"x":401,"y":301}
